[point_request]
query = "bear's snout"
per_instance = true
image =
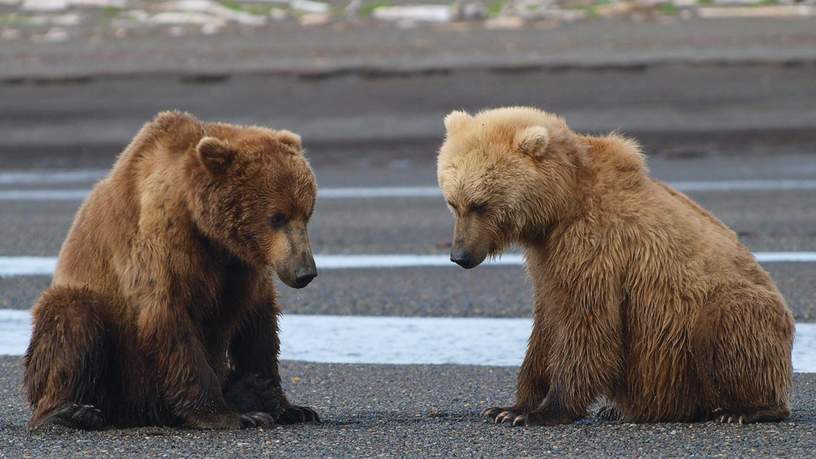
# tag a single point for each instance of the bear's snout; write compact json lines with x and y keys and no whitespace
{"x":464,"y":259}
{"x":304,"y":275}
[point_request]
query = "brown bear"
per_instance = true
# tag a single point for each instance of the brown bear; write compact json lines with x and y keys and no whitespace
{"x":162,"y":309}
{"x":641,"y":295}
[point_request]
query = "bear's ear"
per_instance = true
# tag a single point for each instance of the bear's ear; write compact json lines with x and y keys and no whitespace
{"x":291,"y":140}
{"x":532,"y":141}
{"x":457,"y":120}
{"x":215,"y":155}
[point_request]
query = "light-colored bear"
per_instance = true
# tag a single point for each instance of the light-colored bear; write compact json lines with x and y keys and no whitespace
{"x":641,"y":295}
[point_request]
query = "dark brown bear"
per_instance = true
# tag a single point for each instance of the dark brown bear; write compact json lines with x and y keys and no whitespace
{"x":162,"y":310}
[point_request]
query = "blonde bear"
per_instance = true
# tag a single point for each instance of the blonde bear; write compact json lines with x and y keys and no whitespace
{"x":641,"y":296}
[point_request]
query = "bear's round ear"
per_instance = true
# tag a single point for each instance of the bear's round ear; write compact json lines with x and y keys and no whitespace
{"x":291,"y":140}
{"x":215,"y":155}
{"x":457,"y":120}
{"x":532,"y":141}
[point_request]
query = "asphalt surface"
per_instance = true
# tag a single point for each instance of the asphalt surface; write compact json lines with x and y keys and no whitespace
{"x":679,"y":110}
{"x":697,"y":122}
{"x":412,"y":411}
{"x":765,"y":221}
{"x":372,"y":49}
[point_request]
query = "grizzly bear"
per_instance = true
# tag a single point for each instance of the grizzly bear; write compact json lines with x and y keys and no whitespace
{"x":641,"y":296}
{"x":162,"y":309}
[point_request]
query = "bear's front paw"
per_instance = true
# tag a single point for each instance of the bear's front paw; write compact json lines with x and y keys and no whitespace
{"x":256,"y":419}
{"x":86,"y":417}
{"x":500,"y":414}
{"x":251,"y":393}
{"x":293,"y":414}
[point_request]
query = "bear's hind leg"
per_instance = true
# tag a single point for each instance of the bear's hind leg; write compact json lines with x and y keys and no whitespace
{"x":66,"y":364}
{"x":743,"y":342}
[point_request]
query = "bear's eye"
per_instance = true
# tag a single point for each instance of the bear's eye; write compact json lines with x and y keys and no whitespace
{"x":452,"y":205}
{"x":478,"y":208}
{"x":278,"y":220}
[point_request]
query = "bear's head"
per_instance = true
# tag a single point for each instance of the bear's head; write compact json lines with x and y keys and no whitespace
{"x":254,"y":193}
{"x":507,"y":175}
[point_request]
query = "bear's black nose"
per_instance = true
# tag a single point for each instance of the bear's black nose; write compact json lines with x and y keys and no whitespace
{"x":304,"y":276}
{"x":463,"y":259}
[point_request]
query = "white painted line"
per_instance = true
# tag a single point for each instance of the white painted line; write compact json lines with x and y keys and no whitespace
{"x":51,"y":176}
{"x":380,"y":192}
{"x":745,"y":185}
{"x":30,"y":266}
{"x":27,"y":266}
{"x":433,"y":192}
{"x":401,"y":261}
{"x":43,"y":195}
{"x":398,"y":340}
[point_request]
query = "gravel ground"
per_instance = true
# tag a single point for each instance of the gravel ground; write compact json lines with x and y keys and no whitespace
{"x":415,"y":411}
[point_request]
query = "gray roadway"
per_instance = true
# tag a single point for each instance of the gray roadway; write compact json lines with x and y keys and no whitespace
{"x":709,"y":123}
{"x":433,"y":410}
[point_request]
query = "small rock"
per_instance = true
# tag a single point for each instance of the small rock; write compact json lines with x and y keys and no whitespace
{"x":185,"y":17}
{"x":45,"y":5}
{"x":414,"y":13}
{"x":137,"y":15}
{"x":215,"y":9}
{"x":737,"y":2}
{"x":210,"y":29}
{"x":310,"y":6}
{"x":278,"y":14}
{"x":9,"y":34}
{"x":65,"y":20}
{"x":470,"y":11}
{"x":99,"y":3}
{"x":618,"y":8}
{"x":776,"y":11}
{"x":308,"y":20}
{"x":353,"y":8}
{"x":505,"y":22}
{"x":54,"y":35}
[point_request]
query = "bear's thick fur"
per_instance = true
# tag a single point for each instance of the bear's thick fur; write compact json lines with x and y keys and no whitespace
{"x":641,"y":295}
{"x":162,"y":309}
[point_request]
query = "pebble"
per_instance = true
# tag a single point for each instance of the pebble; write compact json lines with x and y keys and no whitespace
{"x":310,"y":6}
{"x":772,"y":11}
{"x":45,"y":5}
{"x":504,"y":22}
{"x":414,"y":13}
{"x":309,"y":20}
{"x":9,"y":34}
{"x":184,"y":17}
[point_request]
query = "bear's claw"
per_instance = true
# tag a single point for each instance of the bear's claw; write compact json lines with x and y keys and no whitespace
{"x":500,"y":415}
{"x":722,"y":417}
{"x":293,"y":414}
{"x":257,"y":419}
{"x":609,"y":413}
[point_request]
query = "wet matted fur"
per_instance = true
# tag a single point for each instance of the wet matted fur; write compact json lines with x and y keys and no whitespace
{"x":162,"y":309}
{"x":641,"y":295}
